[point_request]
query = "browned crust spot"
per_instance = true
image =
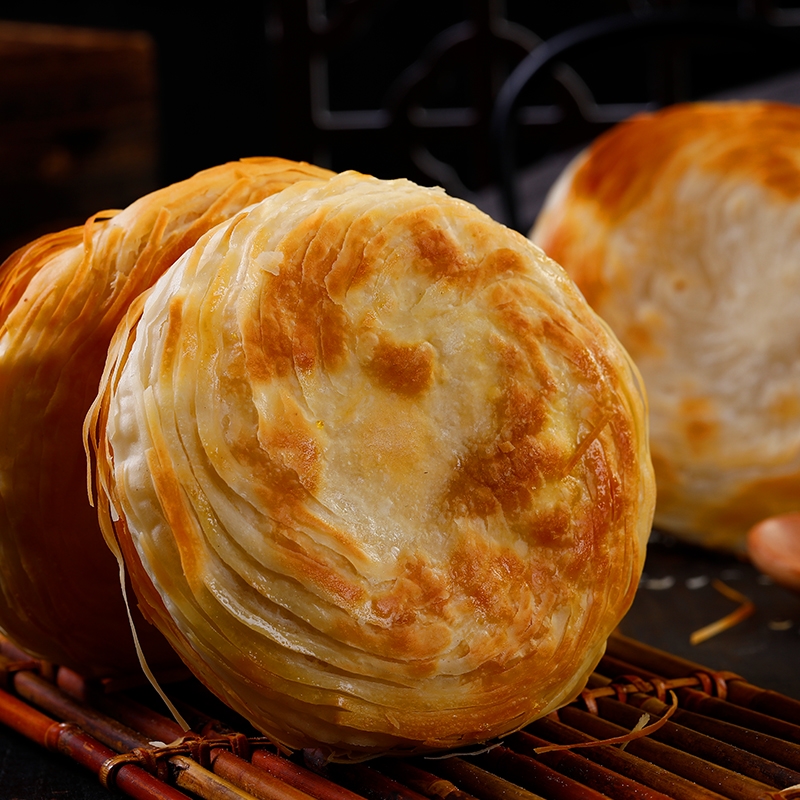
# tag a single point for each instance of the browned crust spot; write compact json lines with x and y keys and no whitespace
{"x":405,"y":369}
{"x":503,"y":474}
{"x":626,"y":162}
{"x":438,"y":255}
{"x":484,"y":573}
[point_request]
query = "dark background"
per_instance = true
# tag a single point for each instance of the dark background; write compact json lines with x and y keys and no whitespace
{"x":226,"y":86}
{"x":220,"y":94}
{"x":218,"y":79}
{"x":231,"y":80}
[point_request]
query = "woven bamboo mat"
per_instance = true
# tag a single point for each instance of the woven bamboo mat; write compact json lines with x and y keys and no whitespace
{"x":707,"y":735}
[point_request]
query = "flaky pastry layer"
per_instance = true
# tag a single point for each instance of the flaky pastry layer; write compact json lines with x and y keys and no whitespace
{"x":61,"y":298}
{"x":379,"y":473}
{"x":682,"y":228}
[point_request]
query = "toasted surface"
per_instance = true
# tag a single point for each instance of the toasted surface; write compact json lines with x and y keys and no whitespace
{"x":379,"y":473}
{"x":60,"y":299}
{"x":682,"y":228}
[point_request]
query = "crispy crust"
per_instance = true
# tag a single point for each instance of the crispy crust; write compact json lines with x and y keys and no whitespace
{"x":380,"y":474}
{"x":60,"y":299}
{"x":681,"y":228}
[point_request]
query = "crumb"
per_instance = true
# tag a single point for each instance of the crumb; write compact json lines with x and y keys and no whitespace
{"x":780,"y":624}
{"x":659,"y":584}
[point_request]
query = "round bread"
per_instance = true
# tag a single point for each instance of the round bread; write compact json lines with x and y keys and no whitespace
{"x":61,"y":298}
{"x":378,"y":472}
{"x":682,"y":229}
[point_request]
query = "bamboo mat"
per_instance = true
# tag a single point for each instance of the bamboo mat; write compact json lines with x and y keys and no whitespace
{"x":708,"y":735}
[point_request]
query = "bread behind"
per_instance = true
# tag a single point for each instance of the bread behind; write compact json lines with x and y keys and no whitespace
{"x":61,"y":298}
{"x":682,"y":229}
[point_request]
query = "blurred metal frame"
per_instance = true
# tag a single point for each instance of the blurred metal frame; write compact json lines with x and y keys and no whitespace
{"x":486,"y":42}
{"x":586,"y":119}
{"x":470,"y":146}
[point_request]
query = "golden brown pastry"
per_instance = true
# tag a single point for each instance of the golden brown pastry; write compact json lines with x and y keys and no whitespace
{"x":61,"y":298}
{"x":682,"y":229}
{"x":378,"y":472}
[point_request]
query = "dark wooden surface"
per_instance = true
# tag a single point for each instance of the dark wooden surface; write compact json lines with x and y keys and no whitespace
{"x":677,"y":596}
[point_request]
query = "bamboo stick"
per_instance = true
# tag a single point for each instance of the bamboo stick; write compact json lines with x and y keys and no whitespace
{"x":481,"y":783}
{"x":82,"y":748}
{"x":139,"y":717}
{"x":419,"y":778}
{"x":738,"y":690}
{"x":731,"y":784}
{"x":564,"y":775}
{"x":739,"y":715}
{"x":273,"y":771}
{"x":191,"y":776}
{"x":621,"y":761}
{"x":616,"y":670}
{"x":258,"y":782}
{"x":762,"y":744}
{"x":86,"y":689}
{"x":368,"y":782}
{"x":103,"y":728}
{"x":658,"y":662}
{"x":301,"y":778}
{"x":706,"y":747}
{"x":613,"y":675}
{"x":693,"y":699}
{"x":766,"y":701}
{"x":119,"y":737}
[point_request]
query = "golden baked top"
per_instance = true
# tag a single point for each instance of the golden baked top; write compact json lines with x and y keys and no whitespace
{"x":378,"y":471}
{"x":682,"y":229}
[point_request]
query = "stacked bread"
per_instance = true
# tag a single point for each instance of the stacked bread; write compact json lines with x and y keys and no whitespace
{"x":372,"y":465}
